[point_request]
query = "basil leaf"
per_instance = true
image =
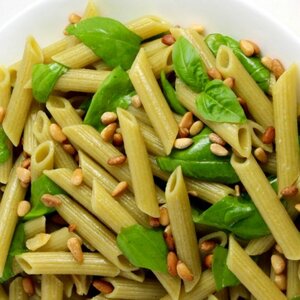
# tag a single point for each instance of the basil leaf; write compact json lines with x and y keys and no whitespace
{"x":295,"y":298}
{"x":188,"y":65}
{"x":252,"y":64}
{"x":114,"y":92}
{"x":39,"y":187}
{"x":237,"y":215}
{"x":44,"y":78}
{"x":5,"y":151}
{"x":218,"y":103}
{"x":199,"y":162}
{"x":108,"y":39}
{"x":170,"y":95}
{"x":144,"y":248}
{"x":222,"y":275}
{"x":17,"y":247}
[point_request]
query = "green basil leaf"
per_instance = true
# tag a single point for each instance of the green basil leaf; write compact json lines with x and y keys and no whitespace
{"x":218,"y":103}
{"x":188,"y":65}
{"x":5,"y":151}
{"x":295,"y":298}
{"x":170,"y":95}
{"x":199,"y":162}
{"x":252,"y":64}
{"x":39,"y":187}
{"x":222,"y":275}
{"x":17,"y":247}
{"x":114,"y":92}
{"x":108,"y":39}
{"x":144,"y":247}
{"x":44,"y":78}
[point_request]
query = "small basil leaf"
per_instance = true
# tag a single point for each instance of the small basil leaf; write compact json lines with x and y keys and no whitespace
{"x":144,"y":248}
{"x":218,"y":103}
{"x":39,"y":187}
{"x":188,"y":65}
{"x":114,"y":92}
{"x":170,"y":95}
{"x":295,"y":298}
{"x":5,"y":151}
{"x":17,"y":247}
{"x":237,"y":215}
{"x":44,"y":78}
{"x":108,"y":39}
{"x":222,"y":275}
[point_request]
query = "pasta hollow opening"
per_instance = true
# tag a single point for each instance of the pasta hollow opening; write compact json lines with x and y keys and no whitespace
{"x":244,"y":139}
{"x":57,"y":102}
{"x":43,"y":152}
{"x":25,"y":265}
{"x":238,"y":160}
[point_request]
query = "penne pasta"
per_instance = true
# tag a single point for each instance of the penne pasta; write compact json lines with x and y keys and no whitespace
{"x":51,"y":288}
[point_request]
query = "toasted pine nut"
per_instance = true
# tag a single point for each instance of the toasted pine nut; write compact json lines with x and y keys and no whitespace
{"x":280,"y":281}
{"x":120,"y":188}
{"x":229,"y":82}
{"x":183,"y":143}
{"x":116,"y":160}
{"x":184,"y":272}
{"x":214,"y":73}
{"x":72,"y":227}
{"x":117,"y":139}
{"x":164,"y":216}
{"x":208,"y":261}
{"x":268,"y":136}
{"x":247,"y":47}
{"x":74,"y":245}
{"x":198,"y":28}
{"x":297,"y":207}
{"x":2,"y":114}
{"x":218,"y":150}
{"x":26,"y":163}
{"x":136,"y":101}
{"x":289,"y":191}
{"x":23,"y":208}
{"x":237,"y":190}
{"x":108,"y":132}
{"x":261,"y":155}
{"x":50,"y":200}
{"x":74,"y":18}
{"x":108,"y":117}
{"x":169,"y":238}
{"x":277,"y":68}
{"x":196,"y":128}
{"x":172,"y":263}
{"x":207,"y":246}
{"x":69,"y":149}
{"x":56,"y":133}
{"x":278,"y":263}
{"x":168,"y":39}
{"x":255,"y":47}
{"x":267,"y":62}
{"x":103,"y":286}
{"x":28,"y":286}
{"x":214,"y":138}
{"x":24,"y":175}
{"x":183,"y":132}
{"x":154,"y":222}
{"x":187,"y":120}
{"x":77,"y":177}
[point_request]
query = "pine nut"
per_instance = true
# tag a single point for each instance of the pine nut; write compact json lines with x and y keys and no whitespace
{"x":26,"y":163}
{"x":2,"y":114}
{"x":72,"y":227}
{"x":77,"y":177}
{"x":297,"y":207}
{"x":183,"y":271}
{"x":277,"y":68}
{"x":268,"y":136}
{"x":199,"y":28}
{"x":120,"y":188}
{"x":237,"y":190}
{"x":289,"y":191}
{"x":267,"y":62}
{"x":24,"y":175}
{"x":261,"y":155}
{"x":207,"y":246}
{"x":183,"y":143}
{"x":108,"y":132}
{"x":69,"y":149}
{"x":183,"y":132}
{"x":136,"y":101}
{"x":214,"y":73}
{"x":172,"y":263}
{"x":154,"y":222}
{"x":56,"y":133}
{"x":196,"y":128}
{"x":243,"y":104}
{"x":278,"y":263}
{"x":38,"y":241}
{"x":28,"y":286}
{"x":116,"y":160}
{"x":280,"y":281}
{"x":255,"y":46}
{"x":103,"y":286}
{"x":214,"y":138}
{"x":50,"y":200}
{"x":23,"y":208}
{"x":186,"y":121}
{"x":164,"y":216}
{"x":117,"y":139}
{"x":74,"y":18}
{"x":168,"y":39}
{"x":229,"y":82}
{"x":74,"y":245}
{"x":218,"y":150}
{"x":208,"y":259}
{"x":109,"y":117}
{"x":169,"y":238}
{"x":247,"y":47}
